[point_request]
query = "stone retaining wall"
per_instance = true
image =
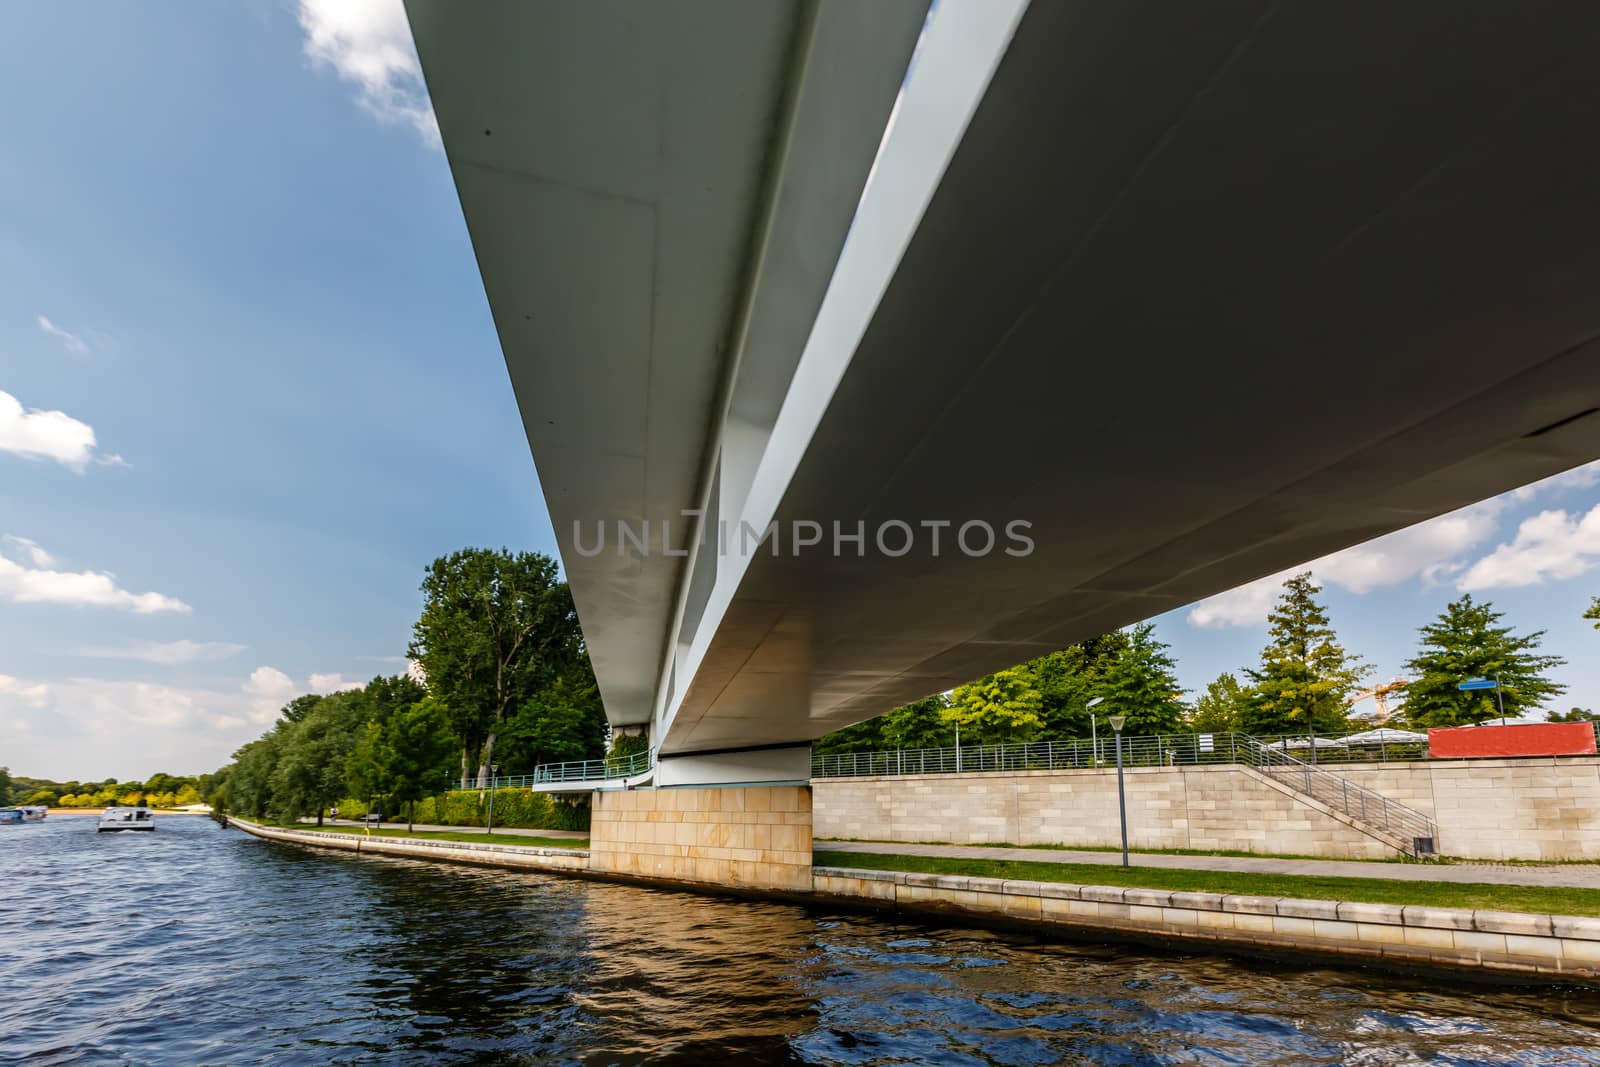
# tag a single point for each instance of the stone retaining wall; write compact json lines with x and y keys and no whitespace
{"x":519,"y":856}
{"x":1545,"y":808}
{"x":1511,"y":943}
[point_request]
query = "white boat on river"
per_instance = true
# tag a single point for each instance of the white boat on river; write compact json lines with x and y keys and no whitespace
{"x":126,"y":819}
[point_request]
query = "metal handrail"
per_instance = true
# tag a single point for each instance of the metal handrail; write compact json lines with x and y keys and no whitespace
{"x":1156,"y":749}
{"x":1338,"y":792}
{"x":1272,"y":757}
{"x":589,"y":770}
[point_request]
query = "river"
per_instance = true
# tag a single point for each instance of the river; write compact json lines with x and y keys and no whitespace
{"x":195,"y":945}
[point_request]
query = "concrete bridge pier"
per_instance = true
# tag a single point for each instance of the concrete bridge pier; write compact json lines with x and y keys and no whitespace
{"x":730,"y":818}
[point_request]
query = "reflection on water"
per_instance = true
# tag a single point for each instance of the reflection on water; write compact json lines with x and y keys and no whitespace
{"x":194,"y":945}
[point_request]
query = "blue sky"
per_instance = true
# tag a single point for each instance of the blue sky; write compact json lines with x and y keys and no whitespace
{"x":249,"y":386}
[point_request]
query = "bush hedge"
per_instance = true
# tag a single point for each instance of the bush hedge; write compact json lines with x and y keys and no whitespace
{"x":521,"y":808}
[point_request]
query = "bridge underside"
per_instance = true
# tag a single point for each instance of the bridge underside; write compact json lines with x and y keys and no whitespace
{"x":1199,"y":295}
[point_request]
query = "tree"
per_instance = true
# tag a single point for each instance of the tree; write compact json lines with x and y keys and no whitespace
{"x":1067,"y":680}
{"x":563,"y":721}
{"x":1140,"y":683}
{"x":1465,"y":642}
{"x":919,"y":724}
{"x":1002,"y":708}
{"x":43,"y":796}
{"x":1594,"y":612}
{"x":495,"y":629}
{"x":862,"y":737}
{"x":416,"y":751}
{"x":1575,"y":715}
{"x":310,"y":770}
{"x":1221,"y":707}
{"x":5,"y":784}
{"x":1305,"y":673}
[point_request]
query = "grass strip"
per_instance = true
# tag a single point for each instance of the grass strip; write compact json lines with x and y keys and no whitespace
{"x":450,"y":835}
{"x":1553,"y":900}
{"x":1241,"y":853}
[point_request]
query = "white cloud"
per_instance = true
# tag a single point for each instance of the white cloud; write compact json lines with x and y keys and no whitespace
{"x":70,"y":341}
{"x":168,"y":653}
{"x":36,"y":434}
{"x":332,"y":683}
{"x":1436,"y":551}
{"x":269,"y":689}
{"x":1551,"y":545}
{"x":31,"y":583}
{"x":368,"y":43}
{"x":1576,"y":478}
{"x":1246,"y":605}
{"x":34,"y":695}
{"x":35,"y":554}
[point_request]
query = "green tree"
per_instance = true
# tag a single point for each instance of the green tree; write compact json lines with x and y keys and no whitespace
{"x":5,"y":784}
{"x":310,"y":770}
{"x":416,"y":752}
{"x":495,"y":629}
{"x":1141,"y":684}
{"x":1575,"y":715}
{"x":919,"y":724}
{"x":862,"y":737}
{"x":42,"y":796}
{"x":1594,"y":612}
{"x":563,"y":721}
{"x":1466,"y":642}
{"x":1002,"y":708}
{"x":1067,"y":680}
{"x":1221,"y":707}
{"x":1305,"y":673}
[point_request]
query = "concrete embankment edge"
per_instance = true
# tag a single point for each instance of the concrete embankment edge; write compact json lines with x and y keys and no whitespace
{"x":1514,"y":945}
{"x":521,"y":857}
{"x":1510,"y":945}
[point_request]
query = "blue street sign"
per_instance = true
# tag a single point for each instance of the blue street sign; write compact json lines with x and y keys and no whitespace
{"x":1478,"y":683}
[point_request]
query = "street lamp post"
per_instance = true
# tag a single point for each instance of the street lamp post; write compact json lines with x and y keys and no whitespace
{"x":1094,"y":734}
{"x":494,"y":772}
{"x":1117,"y":722}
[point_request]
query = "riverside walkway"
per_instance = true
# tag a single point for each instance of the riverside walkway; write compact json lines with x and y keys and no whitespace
{"x":509,"y":831}
{"x":1569,"y":875}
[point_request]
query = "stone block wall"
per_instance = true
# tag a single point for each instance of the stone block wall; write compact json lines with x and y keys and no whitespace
{"x":755,"y":836}
{"x":1540,"y":808}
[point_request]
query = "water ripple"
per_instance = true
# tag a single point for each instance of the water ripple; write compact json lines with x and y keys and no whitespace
{"x":197,"y":946}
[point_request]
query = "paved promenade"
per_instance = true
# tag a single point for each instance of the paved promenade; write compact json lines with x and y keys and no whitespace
{"x":509,"y":831}
{"x":1574,"y":875}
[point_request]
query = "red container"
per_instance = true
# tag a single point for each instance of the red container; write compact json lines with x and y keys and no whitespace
{"x":1525,"y":739}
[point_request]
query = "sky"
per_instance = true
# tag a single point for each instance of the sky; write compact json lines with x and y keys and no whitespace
{"x":249,"y":387}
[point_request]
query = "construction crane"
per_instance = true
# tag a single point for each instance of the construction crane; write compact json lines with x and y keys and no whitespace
{"x":1380,"y":699}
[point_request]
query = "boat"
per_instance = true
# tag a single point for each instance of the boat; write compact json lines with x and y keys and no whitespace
{"x":10,"y":815}
{"x":127,"y":819}
{"x":34,"y":812}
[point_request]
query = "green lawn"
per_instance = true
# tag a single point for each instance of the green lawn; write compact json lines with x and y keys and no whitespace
{"x":1134,"y":851}
{"x":1553,"y":900}
{"x":477,"y":837}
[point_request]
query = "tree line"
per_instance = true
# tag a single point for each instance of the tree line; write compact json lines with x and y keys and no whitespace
{"x":507,"y":681}
{"x":1303,"y":683}
{"x":157,"y":791}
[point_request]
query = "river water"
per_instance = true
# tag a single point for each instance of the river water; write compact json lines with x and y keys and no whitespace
{"x":196,"y":945}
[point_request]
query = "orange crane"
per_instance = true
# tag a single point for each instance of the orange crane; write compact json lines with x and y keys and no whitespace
{"x":1380,"y":698}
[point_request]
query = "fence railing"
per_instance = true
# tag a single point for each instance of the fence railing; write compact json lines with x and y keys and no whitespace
{"x":1408,"y":825}
{"x":590,"y":770}
{"x":1155,"y":750}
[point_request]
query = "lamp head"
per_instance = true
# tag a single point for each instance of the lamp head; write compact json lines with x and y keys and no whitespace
{"x":1117,"y":722}
{"x":1095,"y":701}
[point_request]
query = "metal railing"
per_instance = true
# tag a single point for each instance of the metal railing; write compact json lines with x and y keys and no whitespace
{"x":589,"y":770}
{"x":1148,"y":751}
{"x":1412,"y":829}
{"x":1279,"y":758}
